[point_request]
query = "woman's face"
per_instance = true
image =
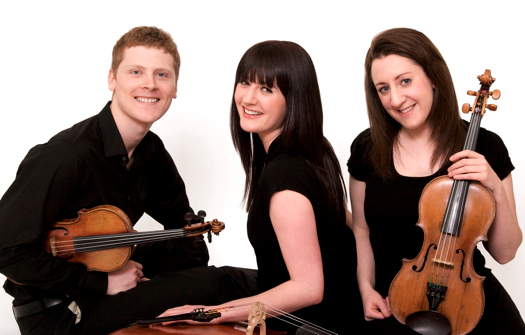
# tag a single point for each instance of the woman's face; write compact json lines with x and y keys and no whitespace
{"x":261,"y":109}
{"x":404,"y":90}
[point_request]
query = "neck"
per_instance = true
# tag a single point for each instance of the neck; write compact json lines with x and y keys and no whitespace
{"x":268,"y":138}
{"x":413,"y":153}
{"x":131,"y":131}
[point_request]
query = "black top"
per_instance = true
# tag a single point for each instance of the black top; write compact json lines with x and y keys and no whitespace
{"x":391,"y":207}
{"x":82,"y":167}
{"x":287,"y":171}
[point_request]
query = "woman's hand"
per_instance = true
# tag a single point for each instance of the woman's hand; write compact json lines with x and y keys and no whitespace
{"x":470,"y":165}
{"x":374,"y":305}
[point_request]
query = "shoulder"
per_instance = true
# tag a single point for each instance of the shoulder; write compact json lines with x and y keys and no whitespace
{"x":287,"y":166}
{"x":289,"y":172}
{"x":359,"y":162}
{"x":63,"y":149}
{"x":364,"y":139}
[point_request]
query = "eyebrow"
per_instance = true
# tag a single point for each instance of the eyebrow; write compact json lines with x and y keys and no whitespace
{"x":396,"y":78}
{"x":143,"y":67}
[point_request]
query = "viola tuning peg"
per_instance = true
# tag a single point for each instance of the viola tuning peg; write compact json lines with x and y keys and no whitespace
{"x":492,"y":107}
{"x":495,"y":94}
{"x":466,"y":108}
{"x":473,"y":93}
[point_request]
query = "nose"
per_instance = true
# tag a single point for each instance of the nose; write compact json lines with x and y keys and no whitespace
{"x":396,"y":97}
{"x":250,"y":95}
{"x":148,"y":81}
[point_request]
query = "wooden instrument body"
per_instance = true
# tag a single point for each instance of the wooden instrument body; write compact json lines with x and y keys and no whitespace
{"x":184,"y":329}
{"x":463,"y":303}
{"x":100,"y":220}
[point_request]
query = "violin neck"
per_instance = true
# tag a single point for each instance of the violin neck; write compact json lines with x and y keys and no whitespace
{"x":102,"y":242}
{"x":458,"y":195}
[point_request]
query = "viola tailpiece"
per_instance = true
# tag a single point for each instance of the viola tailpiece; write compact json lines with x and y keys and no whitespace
{"x":438,"y":292}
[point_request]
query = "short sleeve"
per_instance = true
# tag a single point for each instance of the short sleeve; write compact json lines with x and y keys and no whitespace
{"x":358,"y":164}
{"x":492,"y":147}
{"x":290,"y":173}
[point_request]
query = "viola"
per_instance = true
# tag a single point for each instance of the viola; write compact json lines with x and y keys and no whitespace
{"x":438,"y":292}
{"x":102,"y":238}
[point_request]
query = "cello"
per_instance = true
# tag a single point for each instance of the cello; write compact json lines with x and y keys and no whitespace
{"x":102,"y":237}
{"x":438,"y":292}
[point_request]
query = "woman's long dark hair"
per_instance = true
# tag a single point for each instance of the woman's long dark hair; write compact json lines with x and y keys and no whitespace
{"x":447,"y":129}
{"x":287,"y":65}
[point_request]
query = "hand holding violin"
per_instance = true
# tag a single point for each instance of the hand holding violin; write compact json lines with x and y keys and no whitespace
{"x":470,"y":165}
{"x":125,"y":278}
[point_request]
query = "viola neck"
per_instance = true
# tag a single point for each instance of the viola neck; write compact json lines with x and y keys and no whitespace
{"x":458,"y":195}
{"x":102,"y":242}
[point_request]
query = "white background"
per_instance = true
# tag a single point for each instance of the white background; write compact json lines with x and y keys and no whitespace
{"x":56,"y":55}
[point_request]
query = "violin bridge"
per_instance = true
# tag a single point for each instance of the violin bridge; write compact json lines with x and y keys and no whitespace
{"x":442,"y":263}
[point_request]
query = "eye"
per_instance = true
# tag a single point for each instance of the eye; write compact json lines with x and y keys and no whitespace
{"x":163,"y":74}
{"x":135,"y":72}
{"x":406,"y":81}
{"x":244,"y":83}
{"x":266,"y":89}
{"x":383,"y":90}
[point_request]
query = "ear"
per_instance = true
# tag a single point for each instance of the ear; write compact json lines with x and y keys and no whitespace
{"x":112,"y":81}
{"x":174,"y":92}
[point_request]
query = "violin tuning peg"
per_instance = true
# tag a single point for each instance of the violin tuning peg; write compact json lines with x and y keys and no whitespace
{"x":188,"y":217}
{"x":492,"y":107}
{"x":201,"y":213}
{"x":473,"y":93}
{"x":495,"y":94}
{"x":466,"y":108}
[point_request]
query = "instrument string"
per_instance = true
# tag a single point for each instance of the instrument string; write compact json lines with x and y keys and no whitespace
{"x":82,"y":244}
{"x":286,"y":317}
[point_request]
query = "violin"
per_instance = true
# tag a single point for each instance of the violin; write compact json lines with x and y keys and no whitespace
{"x":255,"y":324}
{"x":102,"y":238}
{"x":438,"y":292}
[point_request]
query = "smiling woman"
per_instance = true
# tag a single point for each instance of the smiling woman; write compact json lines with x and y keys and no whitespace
{"x":294,"y":195}
{"x":414,"y":136}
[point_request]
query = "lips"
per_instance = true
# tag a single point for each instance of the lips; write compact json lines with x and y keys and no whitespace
{"x":406,"y":109}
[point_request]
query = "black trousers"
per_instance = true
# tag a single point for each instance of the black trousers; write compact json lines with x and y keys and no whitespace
{"x":501,"y":316}
{"x":100,"y":316}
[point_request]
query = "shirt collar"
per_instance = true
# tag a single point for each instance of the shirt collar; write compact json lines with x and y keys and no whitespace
{"x":276,"y":147}
{"x":113,"y":143}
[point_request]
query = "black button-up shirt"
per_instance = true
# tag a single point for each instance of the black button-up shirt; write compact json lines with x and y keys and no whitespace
{"x":82,"y":167}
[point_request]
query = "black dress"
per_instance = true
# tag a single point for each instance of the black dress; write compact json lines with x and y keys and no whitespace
{"x":391,"y":212}
{"x":341,"y":303}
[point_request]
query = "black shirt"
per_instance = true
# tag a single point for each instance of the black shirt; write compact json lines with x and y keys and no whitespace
{"x":82,"y":167}
{"x":286,"y":171}
{"x":391,"y":207}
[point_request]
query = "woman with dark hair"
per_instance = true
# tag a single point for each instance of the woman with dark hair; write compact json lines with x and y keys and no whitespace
{"x":294,"y":192}
{"x":415,"y":135}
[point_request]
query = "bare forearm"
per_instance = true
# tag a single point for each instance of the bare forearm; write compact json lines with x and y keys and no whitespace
{"x":288,"y":297}
{"x":504,"y":236}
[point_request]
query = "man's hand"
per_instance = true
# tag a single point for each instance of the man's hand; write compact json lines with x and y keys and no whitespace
{"x":125,"y":278}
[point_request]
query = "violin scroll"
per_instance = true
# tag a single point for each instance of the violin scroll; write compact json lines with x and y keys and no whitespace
{"x":480,"y":103}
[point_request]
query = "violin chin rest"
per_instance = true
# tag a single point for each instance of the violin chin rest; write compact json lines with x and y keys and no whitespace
{"x":429,"y":323}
